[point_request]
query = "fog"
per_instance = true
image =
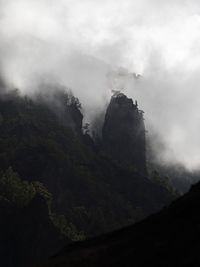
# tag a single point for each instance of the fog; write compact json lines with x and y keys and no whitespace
{"x":94,"y":46}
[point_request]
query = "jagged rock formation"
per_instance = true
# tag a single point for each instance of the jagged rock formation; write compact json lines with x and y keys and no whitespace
{"x":124,"y":132}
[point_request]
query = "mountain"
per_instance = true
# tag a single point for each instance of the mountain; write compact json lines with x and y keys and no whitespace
{"x":168,"y":238}
{"x":89,"y":188}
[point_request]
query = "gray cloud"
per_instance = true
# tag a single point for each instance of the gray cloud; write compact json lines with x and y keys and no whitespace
{"x":79,"y":43}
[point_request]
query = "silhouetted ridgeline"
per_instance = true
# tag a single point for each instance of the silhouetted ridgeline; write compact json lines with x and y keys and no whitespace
{"x":88,"y":189}
{"x":169,"y":238}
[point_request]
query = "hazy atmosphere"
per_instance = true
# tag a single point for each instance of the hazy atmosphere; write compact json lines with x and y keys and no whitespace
{"x":94,"y":46}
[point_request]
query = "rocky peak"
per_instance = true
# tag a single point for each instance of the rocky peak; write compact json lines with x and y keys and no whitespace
{"x":124,"y":132}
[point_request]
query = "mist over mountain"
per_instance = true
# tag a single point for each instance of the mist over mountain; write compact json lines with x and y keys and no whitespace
{"x":99,"y":132}
{"x":78,"y":44}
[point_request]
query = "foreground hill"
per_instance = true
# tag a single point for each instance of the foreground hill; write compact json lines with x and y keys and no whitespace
{"x":169,"y":238}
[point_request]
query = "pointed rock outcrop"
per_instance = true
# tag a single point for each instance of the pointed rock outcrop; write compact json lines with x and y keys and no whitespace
{"x":124,"y":132}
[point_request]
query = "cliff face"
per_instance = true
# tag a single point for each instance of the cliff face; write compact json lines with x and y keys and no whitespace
{"x":124,"y":132}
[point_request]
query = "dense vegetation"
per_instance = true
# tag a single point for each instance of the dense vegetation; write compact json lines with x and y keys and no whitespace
{"x":20,"y":193}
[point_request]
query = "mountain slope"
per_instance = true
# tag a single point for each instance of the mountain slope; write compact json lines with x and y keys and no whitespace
{"x":42,"y":141}
{"x":169,"y":238}
{"x":92,"y":192}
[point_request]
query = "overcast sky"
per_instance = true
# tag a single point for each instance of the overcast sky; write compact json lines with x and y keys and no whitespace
{"x":79,"y":43}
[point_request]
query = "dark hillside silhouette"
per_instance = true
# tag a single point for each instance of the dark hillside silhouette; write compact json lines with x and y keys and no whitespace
{"x":169,"y":238}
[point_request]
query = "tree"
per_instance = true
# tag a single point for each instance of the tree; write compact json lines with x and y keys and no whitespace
{"x":13,"y":189}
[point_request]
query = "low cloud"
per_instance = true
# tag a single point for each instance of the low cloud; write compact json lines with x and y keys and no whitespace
{"x":79,"y":43}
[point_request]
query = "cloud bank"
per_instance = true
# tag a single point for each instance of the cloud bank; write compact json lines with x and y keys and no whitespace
{"x":79,"y":43}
